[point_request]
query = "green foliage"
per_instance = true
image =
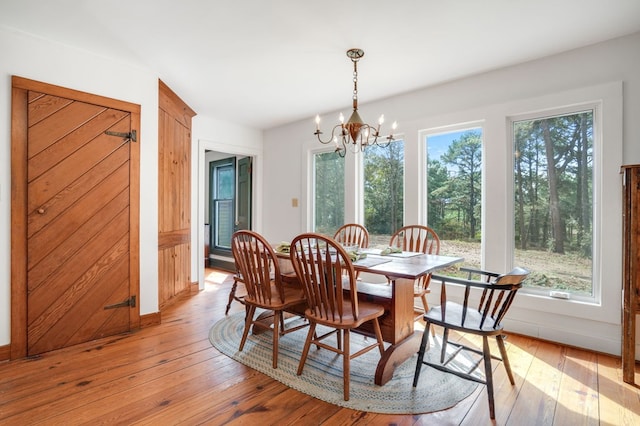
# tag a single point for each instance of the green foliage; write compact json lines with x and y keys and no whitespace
{"x":383,"y":188}
{"x":553,"y":183}
{"x":454,"y":188}
{"x":329,"y":192}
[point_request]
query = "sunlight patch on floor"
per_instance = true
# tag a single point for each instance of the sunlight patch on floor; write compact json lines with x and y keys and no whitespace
{"x":213,"y":279}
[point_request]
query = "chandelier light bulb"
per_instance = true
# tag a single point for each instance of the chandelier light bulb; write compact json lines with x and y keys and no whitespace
{"x":381,"y":119}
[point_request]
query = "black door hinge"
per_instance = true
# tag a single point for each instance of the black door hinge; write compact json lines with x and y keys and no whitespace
{"x":131,"y":136}
{"x":129,"y":302}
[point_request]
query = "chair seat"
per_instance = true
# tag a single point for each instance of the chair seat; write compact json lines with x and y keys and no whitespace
{"x":454,"y":317}
{"x":292,"y":296}
{"x":367,"y":311}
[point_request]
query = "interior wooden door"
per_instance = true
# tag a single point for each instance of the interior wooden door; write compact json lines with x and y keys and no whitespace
{"x":174,"y":196}
{"x":80,"y":269}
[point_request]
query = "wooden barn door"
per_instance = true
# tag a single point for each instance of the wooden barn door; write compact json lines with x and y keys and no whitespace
{"x":80,"y":228}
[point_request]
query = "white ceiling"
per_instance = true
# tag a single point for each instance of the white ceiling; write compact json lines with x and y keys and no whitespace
{"x":262,"y":63}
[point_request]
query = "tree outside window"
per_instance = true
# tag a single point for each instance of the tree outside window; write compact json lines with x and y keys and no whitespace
{"x":383,"y":191}
{"x":553,"y":189}
{"x":454,"y":192}
{"x":329,"y":192}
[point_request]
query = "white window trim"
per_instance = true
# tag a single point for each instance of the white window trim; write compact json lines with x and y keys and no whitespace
{"x":606,"y":100}
{"x":353,"y":211}
{"x":359,"y":187}
{"x":310,"y":189}
{"x":596,"y":108}
{"x":423,"y":169}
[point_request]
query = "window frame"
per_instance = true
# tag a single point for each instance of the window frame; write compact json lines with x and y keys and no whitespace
{"x":360,"y":192}
{"x":312,"y":189}
{"x":215,"y":202}
{"x":424,"y":170}
{"x":606,"y":102}
{"x":596,"y":109}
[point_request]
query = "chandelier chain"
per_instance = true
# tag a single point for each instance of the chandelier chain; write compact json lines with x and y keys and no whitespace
{"x":355,"y":83}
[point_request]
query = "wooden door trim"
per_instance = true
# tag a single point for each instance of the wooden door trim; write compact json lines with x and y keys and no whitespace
{"x":19,"y":89}
{"x":18,"y":221}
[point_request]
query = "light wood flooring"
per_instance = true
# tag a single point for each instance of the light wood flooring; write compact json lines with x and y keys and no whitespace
{"x":170,"y":374}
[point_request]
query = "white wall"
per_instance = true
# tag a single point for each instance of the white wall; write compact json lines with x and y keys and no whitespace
{"x":45,"y":61}
{"x":486,"y":98}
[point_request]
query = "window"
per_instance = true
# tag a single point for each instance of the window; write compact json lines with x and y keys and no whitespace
{"x":329,"y":192}
{"x":454,"y":192}
{"x":553,"y":202}
{"x":222,"y":210}
{"x":383,"y":191}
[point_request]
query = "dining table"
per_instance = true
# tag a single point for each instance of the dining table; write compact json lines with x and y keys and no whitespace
{"x":401,"y":269}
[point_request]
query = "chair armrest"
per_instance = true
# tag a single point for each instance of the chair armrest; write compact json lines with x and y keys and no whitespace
{"x":478,"y":271}
{"x":471,"y":271}
{"x":462,"y":281}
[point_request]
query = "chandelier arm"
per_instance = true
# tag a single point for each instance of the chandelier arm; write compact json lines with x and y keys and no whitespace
{"x":318,"y":132}
{"x":385,"y":144}
{"x":389,"y":139}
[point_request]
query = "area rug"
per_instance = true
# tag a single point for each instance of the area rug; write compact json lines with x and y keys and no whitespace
{"x":322,"y":375}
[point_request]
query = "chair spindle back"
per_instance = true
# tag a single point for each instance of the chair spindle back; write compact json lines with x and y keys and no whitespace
{"x":498,"y":292}
{"x":257,"y":263}
{"x":325,"y":270}
{"x":352,"y":234}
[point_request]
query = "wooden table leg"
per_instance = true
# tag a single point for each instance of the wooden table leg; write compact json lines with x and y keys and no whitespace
{"x":395,"y":355}
{"x":404,"y":342}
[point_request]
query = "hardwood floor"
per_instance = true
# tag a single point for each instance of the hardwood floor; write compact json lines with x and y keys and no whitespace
{"x":170,"y":374}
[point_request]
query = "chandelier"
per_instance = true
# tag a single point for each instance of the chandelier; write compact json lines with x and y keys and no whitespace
{"x":355,"y":135}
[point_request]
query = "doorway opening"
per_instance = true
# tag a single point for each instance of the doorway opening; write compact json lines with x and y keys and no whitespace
{"x":229,"y":205}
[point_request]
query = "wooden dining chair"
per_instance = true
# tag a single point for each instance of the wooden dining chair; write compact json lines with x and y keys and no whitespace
{"x":352,"y":234}
{"x":325,"y":270}
{"x":422,"y":239}
{"x":258,"y":266}
{"x":237,"y":279}
{"x":494,"y":296}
